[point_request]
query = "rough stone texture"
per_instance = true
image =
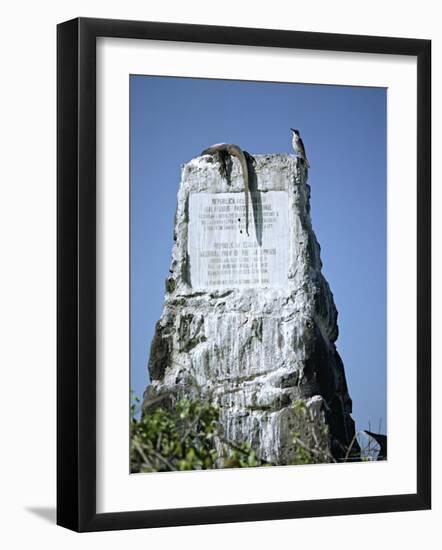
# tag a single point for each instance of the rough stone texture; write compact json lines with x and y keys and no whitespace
{"x":256,"y":350}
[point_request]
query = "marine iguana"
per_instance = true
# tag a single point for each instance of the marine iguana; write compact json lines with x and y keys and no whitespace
{"x":222,"y":151}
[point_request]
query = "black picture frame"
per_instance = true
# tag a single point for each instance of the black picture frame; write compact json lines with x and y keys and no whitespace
{"x":76,"y":274}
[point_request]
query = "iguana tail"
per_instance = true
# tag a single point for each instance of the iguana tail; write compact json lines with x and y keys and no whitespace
{"x":235,"y":151}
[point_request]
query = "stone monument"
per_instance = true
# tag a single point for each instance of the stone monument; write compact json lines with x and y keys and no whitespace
{"x":249,"y":319}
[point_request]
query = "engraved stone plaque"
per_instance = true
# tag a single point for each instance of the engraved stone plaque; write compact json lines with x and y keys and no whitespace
{"x":222,"y":255}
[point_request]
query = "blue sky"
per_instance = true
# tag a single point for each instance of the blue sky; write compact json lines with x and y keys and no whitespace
{"x":344,"y":132}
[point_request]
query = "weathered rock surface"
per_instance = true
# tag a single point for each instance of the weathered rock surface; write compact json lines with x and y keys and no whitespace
{"x":256,"y":342}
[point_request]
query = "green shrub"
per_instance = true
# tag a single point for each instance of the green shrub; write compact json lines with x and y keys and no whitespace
{"x":184,"y":439}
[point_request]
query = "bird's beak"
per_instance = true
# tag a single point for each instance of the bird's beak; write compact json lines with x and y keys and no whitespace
{"x":292,"y":129}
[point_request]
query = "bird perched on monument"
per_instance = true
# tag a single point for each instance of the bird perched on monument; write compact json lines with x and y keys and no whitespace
{"x":298,"y":146}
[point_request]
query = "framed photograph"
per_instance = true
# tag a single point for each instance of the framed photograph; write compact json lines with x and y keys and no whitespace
{"x":243,"y":274}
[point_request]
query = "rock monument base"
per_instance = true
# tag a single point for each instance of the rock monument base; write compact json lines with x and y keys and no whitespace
{"x":249,"y":320}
